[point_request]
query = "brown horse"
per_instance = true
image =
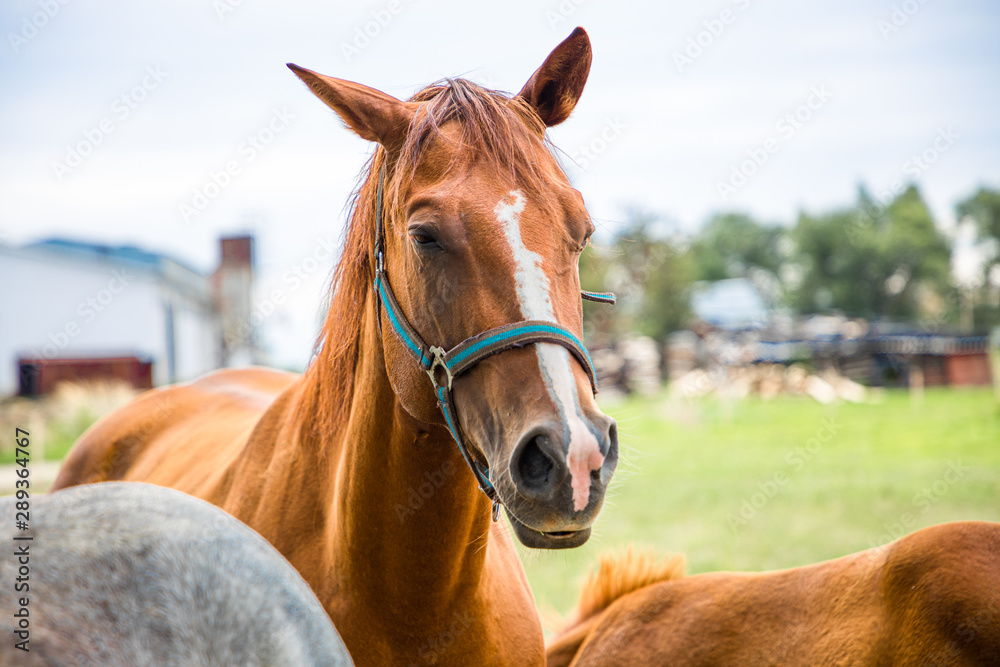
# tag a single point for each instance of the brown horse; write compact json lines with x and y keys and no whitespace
{"x":931,"y":598}
{"x":350,"y":469}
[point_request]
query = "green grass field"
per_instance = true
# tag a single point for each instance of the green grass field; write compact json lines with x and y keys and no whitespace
{"x":748,"y":485}
{"x":758,"y":485}
{"x":59,"y":438}
{"x":57,"y":420}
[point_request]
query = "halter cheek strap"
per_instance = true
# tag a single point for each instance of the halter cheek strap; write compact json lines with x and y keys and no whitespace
{"x":599,"y":297}
{"x":442,"y":366}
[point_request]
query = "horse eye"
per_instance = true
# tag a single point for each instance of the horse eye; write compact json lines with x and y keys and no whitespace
{"x":424,"y":240}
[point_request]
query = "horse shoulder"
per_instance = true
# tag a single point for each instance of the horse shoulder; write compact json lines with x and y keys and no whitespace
{"x":942,"y":592}
{"x":164,"y":428}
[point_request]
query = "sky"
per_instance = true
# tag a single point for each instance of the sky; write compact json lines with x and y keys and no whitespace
{"x":165,"y":124}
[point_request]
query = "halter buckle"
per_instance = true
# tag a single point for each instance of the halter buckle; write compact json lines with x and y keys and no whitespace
{"x":496,"y":509}
{"x":437,"y":354}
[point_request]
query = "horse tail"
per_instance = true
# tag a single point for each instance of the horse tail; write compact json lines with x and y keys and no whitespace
{"x":617,"y":576}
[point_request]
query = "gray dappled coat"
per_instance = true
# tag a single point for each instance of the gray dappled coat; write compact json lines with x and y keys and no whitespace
{"x":125,"y":573}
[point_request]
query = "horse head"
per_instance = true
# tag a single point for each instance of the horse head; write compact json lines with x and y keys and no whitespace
{"x":479,"y":227}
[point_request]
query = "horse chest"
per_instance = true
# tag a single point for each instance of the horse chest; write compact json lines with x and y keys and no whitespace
{"x":411,"y":622}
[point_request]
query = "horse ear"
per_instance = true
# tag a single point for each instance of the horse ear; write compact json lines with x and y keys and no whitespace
{"x":555,"y":87}
{"x":372,"y":114}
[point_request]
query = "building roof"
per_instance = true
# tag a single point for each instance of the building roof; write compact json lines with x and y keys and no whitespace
{"x":731,"y":303}
{"x":169,"y":270}
{"x":129,"y":254}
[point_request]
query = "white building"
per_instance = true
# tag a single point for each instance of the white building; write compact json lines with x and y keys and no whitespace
{"x":62,"y":299}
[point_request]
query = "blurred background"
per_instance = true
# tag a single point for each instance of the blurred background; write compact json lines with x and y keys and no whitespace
{"x":798,"y":205}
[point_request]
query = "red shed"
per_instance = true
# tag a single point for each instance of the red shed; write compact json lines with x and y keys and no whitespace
{"x":40,"y":376}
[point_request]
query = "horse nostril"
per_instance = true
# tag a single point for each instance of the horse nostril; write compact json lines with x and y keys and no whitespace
{"x":538,"y":465}
{"x":610,"y":456}
{"x":612,"y":440}
{"x":534,"y":465}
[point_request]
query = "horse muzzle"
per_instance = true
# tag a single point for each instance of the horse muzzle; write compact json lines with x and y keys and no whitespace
{"x":559,"y":484}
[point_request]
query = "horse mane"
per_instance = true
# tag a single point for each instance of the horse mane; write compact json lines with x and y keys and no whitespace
{"x":621,"y":574}
{"x":496,"y":128}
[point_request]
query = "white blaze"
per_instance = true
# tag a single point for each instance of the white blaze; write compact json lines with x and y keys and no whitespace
{"x":584,"y":452}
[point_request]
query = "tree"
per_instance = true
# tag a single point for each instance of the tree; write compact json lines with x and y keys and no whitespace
{"x":650,"y":274}
{"x":600,"y":322}
{"x":666,"y":303}
{"x":734,"y":245}
{"x":731,"y":244}
{"x":983,"y":209}
{"x":871,"y":261}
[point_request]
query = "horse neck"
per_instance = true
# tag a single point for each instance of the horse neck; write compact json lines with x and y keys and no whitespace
{"x":407,"y":518}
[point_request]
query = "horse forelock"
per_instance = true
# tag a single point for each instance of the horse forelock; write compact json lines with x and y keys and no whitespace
{"x":501,"y":131}
{"x":504,"y":134}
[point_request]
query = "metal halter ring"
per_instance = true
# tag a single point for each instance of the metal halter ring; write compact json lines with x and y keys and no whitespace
{"x":438,"y":360}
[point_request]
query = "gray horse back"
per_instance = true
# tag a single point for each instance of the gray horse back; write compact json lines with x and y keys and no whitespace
{"x":124,"y":573}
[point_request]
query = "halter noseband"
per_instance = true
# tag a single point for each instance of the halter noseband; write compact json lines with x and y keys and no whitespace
{"x":437,"y":362}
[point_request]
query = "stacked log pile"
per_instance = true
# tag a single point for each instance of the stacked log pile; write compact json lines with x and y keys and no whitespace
{"x":767,"y":381}
{"x":632,"y":365}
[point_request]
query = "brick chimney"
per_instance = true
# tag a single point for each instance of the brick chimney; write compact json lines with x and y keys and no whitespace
{"x":232,"y":284}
